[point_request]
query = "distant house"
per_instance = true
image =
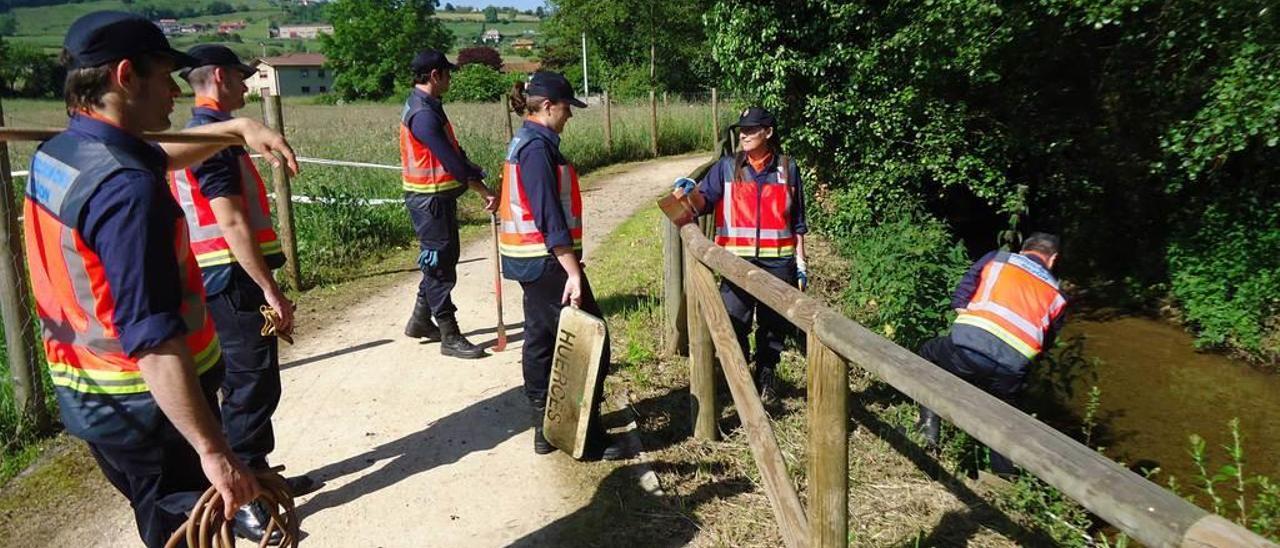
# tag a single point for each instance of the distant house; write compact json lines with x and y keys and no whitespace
{"x":291,"y":75}
{"x":305,"y":32}
{"x":169,"y":26}
{"x":523,"y":44}
{"x":228,"y":27}
{"x":526,"y":67}
{"x":491,"y":36}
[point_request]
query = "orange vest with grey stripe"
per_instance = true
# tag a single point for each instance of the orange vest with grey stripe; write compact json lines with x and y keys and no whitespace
{"x":754,"y":219}
{"x":421,"y":171}
{"x":207,"y":241}
{"x":1007,"y":319}
{"x":519,"y":236}
{"x":100,"y":389}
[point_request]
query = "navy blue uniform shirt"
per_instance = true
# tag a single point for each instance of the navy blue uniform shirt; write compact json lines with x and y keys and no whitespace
{"x":219,"y":177}
{"x":130,"y":223}
{"x":428,"y":127}
{"x":538,"y":162}
{"x":968,"y":286}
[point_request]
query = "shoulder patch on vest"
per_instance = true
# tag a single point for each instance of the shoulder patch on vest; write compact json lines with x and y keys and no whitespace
{"x":49,"y":180}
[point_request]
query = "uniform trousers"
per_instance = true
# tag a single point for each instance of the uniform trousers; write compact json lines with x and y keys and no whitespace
{"x":251,"y":388}
{"x":772,"y":328}
{"x":435,"y":221}
{"x":541,"y":320}
{"x":161,"y":475}
{"x":991,"y":377}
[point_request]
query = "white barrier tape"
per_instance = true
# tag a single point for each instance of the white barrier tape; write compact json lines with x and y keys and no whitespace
{"x":19,"y":174}
{"x":324,"y":162}
{"x":361,"y":201}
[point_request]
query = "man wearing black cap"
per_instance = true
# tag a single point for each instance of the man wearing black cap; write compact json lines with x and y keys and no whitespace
{"x":436,"y":172}
{"x":236,"y":247}
{"x":131,"y":351}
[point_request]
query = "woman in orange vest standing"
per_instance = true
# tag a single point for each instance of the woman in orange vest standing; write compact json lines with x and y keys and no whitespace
{"x":541,"y":241}
{"x":760,"y":216}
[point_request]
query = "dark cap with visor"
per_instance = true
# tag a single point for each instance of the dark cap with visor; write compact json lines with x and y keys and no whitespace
{"x":217,"y":55}
{"x":103,"y":37}
{"x":428,"y":60}
{"x":754,"y":117}
{"x":553,"y":86}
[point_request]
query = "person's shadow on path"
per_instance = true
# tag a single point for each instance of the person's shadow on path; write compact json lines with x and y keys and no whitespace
{"x":479,"y":427}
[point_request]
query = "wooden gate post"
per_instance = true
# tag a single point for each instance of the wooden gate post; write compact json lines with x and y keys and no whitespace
{"x":19,"y":331}
{"x":828,"y":447}
{"x":675,"y":334}
{"x":506,"y":116}
{"x":284,"y":198}
{"x":715,"y":118}
{"x":608,"y":124}
{"x":702,"y":367}
{"x":653,"y":123}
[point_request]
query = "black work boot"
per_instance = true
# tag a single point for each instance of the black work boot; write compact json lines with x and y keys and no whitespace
{"x":453,"y":344}
{"x":251,"y":523}
{"x":766,"y":379}
{"x":540,"y":444}
{"x":420,"y":325}
{"x":929,"y":425}
{"x":605,"y":446}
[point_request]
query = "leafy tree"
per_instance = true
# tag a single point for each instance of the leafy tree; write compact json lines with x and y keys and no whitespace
{"x":480,"y":54}
{"x":448,"y":7}
{"x":219,"y":8}
{"x":491,"y":14}
{"x":539,"y":12}
{"x":620,"y":34}
{"x":8,"y":24}
{"x":27,"y":72}
{"x":373,"y":42}
{"x":477,"y":82}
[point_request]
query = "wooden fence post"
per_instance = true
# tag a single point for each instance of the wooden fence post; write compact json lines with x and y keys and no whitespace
{"x":608,"y":124}
{"x":828,"y":447}
{"x":506,"y":116}
{"x":664,"y":100}
{"x":284,"y":199}
{"x":675,"y":336}
{"x":19,"y":331}
{"x":715,"y":117}
{"x":702,"y":367}
{"x":653,"y":123}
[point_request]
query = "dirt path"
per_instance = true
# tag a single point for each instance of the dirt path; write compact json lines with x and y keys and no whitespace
{"x":417,"y":449}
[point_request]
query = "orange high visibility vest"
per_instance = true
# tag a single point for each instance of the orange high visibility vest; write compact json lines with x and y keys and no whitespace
{"x":1016,"y":301}
{"x":207,"y":241}
{"x":74,"y":299}
{"x":421,"y":171}
{"x":754,"y":219}
{"x":519,"y":236}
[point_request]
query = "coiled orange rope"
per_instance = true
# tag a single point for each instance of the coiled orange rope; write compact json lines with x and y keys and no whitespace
{"x":207,"y":528}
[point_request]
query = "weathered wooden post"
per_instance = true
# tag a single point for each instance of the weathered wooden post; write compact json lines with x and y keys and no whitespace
{"x":608,"y":124}
{"x":284,"y":198}
{"x":664,"y":101}
{"x":702,"y":367}
{"x":675,"y":337}
{"x":715,"y":117}
{"x":19,"y":331}
{"x":828,"y":447}
{"x":653,"y":123}
{"x":506,"y":116}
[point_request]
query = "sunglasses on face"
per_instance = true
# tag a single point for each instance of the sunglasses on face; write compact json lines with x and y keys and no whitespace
{"x":750,"y":130}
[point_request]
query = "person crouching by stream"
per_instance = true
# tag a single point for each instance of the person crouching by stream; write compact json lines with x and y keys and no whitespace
{"x":541,"y":243}
{"x":1009,"y":309}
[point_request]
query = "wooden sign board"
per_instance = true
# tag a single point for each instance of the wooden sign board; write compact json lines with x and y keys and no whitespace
{"x":681,"y":208}
{"x":575,"y":370}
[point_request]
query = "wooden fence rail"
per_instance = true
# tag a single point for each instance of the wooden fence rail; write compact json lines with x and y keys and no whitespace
{"x":1140,"y":508}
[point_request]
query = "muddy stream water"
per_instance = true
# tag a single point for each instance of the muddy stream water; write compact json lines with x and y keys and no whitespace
{"x":1157,"y":390}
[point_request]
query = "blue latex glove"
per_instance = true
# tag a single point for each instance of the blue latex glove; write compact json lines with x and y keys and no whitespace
{"x":428,"y":259}
{"x":802,"y":279}
{"x":685,"y":184}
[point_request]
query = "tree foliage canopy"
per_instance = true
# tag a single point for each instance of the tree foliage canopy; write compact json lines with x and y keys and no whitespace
{"x":1144,"y":131}
{"x":373,"y":42}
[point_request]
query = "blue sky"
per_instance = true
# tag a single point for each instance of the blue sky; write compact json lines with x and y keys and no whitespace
{"x":520,"y":4}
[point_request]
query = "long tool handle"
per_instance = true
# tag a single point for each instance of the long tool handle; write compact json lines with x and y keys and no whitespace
{"x":497,"y":285}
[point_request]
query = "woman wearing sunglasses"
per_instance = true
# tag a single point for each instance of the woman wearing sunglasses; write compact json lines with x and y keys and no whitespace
{"x":760,"y":216}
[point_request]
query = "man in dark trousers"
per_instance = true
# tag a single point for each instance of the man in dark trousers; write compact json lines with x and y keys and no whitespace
{"x":132,"y":353}
{"x":436,"y":172}
{"x":1009,"y":311}
{"x":229,"y":220}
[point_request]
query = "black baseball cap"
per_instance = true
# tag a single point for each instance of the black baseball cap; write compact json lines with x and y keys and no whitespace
{"x":102,"y":37}
{"x":216,"y":55}
{"x":553,"y":86}
{"x":428,"y":60}
{"x":754,"y":117}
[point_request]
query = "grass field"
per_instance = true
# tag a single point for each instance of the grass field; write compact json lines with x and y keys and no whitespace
{"x":339,"y":239}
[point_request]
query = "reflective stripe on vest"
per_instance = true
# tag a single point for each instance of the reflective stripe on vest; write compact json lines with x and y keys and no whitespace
{"x":754,"y":219}
{"x":421,"y":171}
{"x":74,"y":299}
{"x":207,"y":241}
{"x":519,"y":236}
{"x":1017,"y":300}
